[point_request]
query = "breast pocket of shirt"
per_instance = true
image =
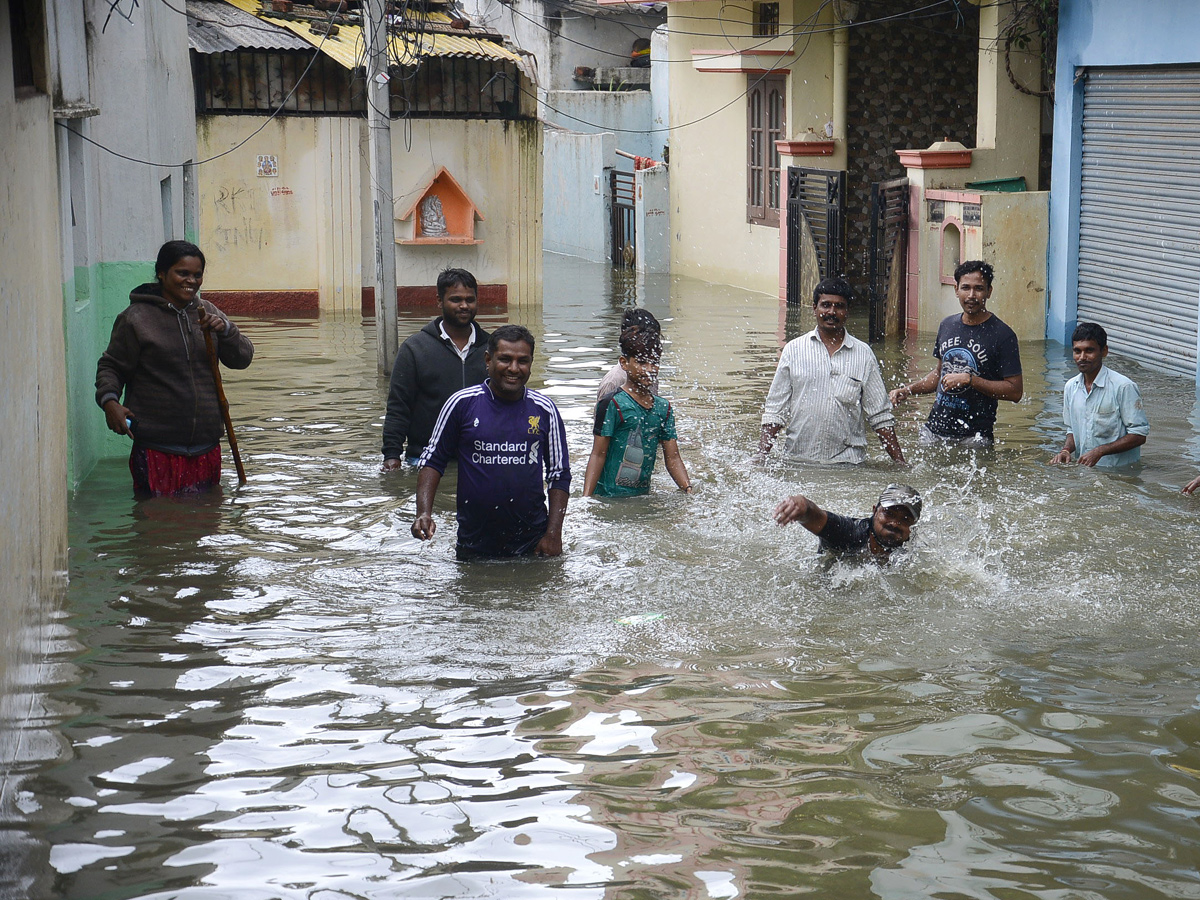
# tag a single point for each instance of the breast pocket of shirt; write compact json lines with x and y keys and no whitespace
{"x":847,"y":391}
{"x":1107,"y":415}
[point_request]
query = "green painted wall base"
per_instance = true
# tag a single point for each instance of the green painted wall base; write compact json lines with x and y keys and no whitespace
{"x":91,"y":303}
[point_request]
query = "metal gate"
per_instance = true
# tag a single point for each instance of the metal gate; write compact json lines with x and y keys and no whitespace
{"x":1139,"y":205}
{"x":889,"y":248}
{"x":624,"y":250}
{"x":816,"y":204}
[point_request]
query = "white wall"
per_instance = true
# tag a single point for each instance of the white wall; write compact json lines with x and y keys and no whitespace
{"x":142,"y":83}
{"x":575,"y":205}
{"x":627,"y":114}
{"x":652,"y":204}
{"x":578,"y":37}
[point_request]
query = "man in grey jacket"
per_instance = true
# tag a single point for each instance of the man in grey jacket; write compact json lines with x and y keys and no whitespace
{"x":443,"y":357}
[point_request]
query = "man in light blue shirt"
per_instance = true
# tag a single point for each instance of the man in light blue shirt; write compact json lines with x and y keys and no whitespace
{"x":1102,"y":408}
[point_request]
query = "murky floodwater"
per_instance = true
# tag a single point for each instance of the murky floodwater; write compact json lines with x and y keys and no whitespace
{"x":280,"y":694}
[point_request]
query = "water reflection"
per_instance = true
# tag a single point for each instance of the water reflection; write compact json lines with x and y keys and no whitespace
{"x":282,"y":694}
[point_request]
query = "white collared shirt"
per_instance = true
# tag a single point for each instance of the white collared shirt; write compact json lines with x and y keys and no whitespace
{"x":462,"y":354}
{"x":822,"y":400}
{"x":1110,"y":411}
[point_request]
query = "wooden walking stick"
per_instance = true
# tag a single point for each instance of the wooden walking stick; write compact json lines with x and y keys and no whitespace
{"x":216,"y":370}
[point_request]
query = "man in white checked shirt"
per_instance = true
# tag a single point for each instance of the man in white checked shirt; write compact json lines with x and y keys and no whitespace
{"x":827,"y":390}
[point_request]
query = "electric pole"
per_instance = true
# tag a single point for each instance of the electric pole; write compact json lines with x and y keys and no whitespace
{"x":379,"y":126}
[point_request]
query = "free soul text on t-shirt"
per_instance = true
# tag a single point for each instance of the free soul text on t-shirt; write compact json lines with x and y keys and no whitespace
{"x":988,"y":351}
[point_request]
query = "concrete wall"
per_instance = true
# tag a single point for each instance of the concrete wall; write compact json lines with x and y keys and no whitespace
{"x":576,"y":202}
{"x":1011,"y":236}
{"x":627,"y":114}
{"x":112,"y":212}
{"x":652,"y":204}
{"x":711,"y":238}
{"x":1015,"y":230}
{"x":1099,"y":33}
{"x":279,"y":240}
{"x":660,"y":88}
{"x":33,"y":442}
{"x":297,"y":231}
{"x":499,"y":165}
{"x":561,"y":39}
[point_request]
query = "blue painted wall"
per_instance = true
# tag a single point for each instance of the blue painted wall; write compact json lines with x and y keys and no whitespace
{"x":1100,"y":33}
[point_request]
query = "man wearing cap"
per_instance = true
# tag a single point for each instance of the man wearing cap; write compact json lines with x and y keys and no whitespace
{"x":875,"y":537}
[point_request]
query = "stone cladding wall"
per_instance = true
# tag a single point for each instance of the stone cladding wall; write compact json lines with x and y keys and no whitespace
{"x":912,"y":81}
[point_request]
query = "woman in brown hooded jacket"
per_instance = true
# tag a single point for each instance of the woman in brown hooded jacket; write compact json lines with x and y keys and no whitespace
{"x":157,"y":357}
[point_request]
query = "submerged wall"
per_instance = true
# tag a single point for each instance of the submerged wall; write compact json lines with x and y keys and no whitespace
{"x":33,"y":441}
{"x":302,"y":239}
{"x":286,"y":237}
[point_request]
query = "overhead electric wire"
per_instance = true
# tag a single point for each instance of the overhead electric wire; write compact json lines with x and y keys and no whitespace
{"x":752,"y":85}
{"x":806,"y":33}
{"x":766,"y":39}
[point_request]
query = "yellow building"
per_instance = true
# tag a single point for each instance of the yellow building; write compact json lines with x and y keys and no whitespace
{"x":836,"y":89}
{"x":285,"y":206}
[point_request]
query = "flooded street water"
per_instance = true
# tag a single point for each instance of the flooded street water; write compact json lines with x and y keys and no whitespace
{"x":279,"y":693}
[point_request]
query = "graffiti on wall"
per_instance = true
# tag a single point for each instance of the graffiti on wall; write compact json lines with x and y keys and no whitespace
{"x":237,"y":224}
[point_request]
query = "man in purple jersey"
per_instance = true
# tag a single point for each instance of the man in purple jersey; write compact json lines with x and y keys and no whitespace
{"x":502,"y":435}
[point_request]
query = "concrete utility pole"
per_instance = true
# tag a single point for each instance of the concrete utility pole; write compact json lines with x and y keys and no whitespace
{"x":379,"y":125}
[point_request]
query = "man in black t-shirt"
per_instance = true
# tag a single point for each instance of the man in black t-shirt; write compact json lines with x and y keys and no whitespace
{"x":978,"y":364}
{"x":887,"y":528}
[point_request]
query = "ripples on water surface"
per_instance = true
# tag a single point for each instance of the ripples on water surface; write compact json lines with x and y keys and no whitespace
{"x":280,"y":694}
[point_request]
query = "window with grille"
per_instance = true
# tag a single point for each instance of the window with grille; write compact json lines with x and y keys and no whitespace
{"x":766,"y":19}
{"x":765,"y":121}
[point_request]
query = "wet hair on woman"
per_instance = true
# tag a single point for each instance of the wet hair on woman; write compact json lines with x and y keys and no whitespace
{"x":975,"y":265}
{"x":172,"y":252}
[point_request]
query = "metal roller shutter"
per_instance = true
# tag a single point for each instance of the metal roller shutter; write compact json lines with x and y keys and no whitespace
{"x":1139,"y":216}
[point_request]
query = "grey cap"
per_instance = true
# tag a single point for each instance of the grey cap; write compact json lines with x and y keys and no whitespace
{"x":902,"y":495}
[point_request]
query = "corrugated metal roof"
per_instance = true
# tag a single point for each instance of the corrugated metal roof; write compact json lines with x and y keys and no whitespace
{"x":216,"y":27}
{"x":348,"y":45}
